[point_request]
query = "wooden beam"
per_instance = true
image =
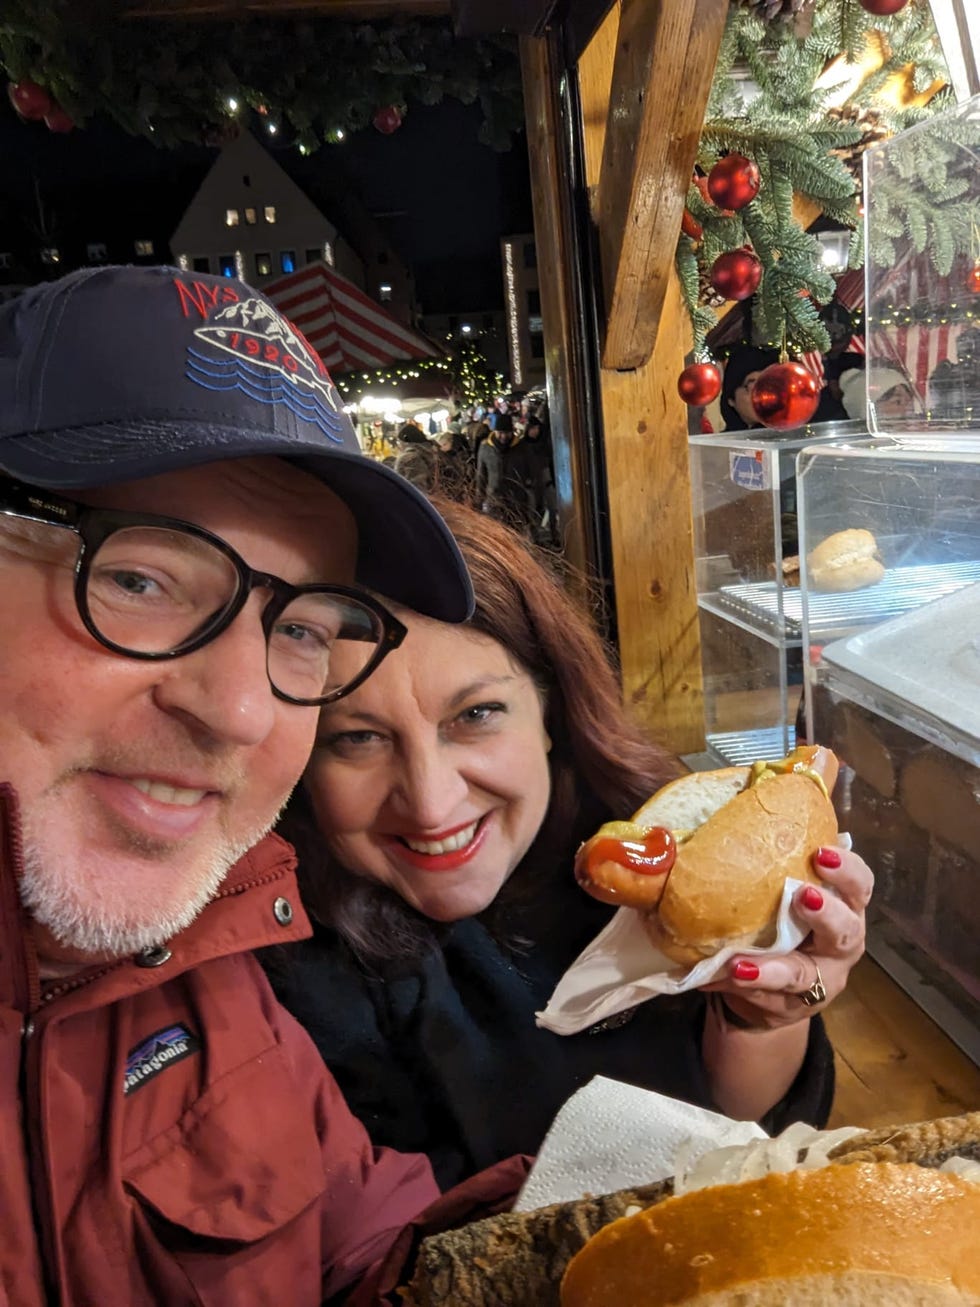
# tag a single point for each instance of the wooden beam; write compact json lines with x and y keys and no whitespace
{"x":218,"y":10}
{"x":666,"y":52}
{"x":648,"y":480}
{"x":480,"y":17}
{"x":562,"y":313}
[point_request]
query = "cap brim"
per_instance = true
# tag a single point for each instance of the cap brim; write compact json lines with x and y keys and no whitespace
{"x":406,"y":551}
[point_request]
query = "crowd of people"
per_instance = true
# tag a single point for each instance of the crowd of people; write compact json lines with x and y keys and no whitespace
{"x":496,"y":458}
{"x":213,"y":604}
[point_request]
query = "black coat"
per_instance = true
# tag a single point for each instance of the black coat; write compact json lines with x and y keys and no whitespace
{"x":443,"y":1056}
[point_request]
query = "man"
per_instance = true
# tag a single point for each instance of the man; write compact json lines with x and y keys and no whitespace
{"x":184,"y":518}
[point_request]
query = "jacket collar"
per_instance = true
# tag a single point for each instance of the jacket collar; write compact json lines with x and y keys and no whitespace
{"x":258,"y":905}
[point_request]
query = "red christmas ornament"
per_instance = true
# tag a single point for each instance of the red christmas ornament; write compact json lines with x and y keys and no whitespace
{"x":690,"y":225}
{"x":973,"y":278}
{"x":58,"y":121}
{"x":785,"y":395}
{"x":736,"y":274}
{"x":388,"y":119}
{"x":699,"y":383}
{"x":733,"y":182}
{"x":30,"y":100}
{"x":883,"y":7}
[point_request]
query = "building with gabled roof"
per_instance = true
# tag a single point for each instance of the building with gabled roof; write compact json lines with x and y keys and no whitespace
{"x":250,"y":219}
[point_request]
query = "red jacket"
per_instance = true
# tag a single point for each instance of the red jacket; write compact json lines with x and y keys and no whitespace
{"x":168,"y":1133}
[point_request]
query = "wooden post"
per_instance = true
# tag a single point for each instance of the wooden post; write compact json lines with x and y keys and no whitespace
{"x":644,"y":82}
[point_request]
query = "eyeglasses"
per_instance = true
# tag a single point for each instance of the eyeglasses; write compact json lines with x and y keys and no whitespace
{"x":152,"y":588}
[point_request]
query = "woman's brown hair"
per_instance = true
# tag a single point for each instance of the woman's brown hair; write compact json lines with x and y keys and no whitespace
{"x":601,"y":764}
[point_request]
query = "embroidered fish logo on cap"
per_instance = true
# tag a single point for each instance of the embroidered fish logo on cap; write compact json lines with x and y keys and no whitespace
{"x":254,"y":349}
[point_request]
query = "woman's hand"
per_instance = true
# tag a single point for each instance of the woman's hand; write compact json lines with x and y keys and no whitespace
{"x":772,"y":991}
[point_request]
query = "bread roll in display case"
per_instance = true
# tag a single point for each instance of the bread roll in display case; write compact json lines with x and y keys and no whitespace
{"x":744,"y":495}
{"x":893,"y":686}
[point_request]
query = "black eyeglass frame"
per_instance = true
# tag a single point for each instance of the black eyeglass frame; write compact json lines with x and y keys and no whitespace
{"x":94,"y":526}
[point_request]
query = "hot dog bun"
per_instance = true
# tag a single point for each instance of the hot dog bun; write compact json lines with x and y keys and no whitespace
{"x":737,"y":844}
{"x":883,"y":1233}
{"x":727,"y":882}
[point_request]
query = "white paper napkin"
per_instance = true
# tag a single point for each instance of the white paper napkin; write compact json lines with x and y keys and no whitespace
{"x":622,"y":967}
{"x":611,"y":1136}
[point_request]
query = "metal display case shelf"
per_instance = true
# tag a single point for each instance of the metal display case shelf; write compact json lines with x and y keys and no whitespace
{"x":739,"y":748}
{"x":776,"y":612}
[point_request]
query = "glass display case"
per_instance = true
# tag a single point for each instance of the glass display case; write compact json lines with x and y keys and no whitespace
{"x":744,"y":493}
{"x":890,"y":602}
{"x":922,"y":275}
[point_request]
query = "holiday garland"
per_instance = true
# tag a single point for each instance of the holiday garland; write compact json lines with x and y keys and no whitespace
{"x":314,"y":79}
{"x":739,"y":242}
{"x":467,"y":376}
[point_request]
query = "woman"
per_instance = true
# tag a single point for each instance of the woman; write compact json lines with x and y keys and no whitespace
{"x":452,"y":790}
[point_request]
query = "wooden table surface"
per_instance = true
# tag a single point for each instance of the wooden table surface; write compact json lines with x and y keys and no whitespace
{"x":894,"y":1064}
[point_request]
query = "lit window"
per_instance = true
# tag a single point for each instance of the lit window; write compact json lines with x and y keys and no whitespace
{"x":287,"y":260}
{"x":226,"y":265}
{"x":51,"y":254}
{"x":269,"y":213}
{"x":96,"y":252}
{"x":384,"y":291}
{"x":231,"y":217}
{"x":251,"y":217}
{"x":201,"y":263}
{"x":143,"y":248}
{"x":263,"y":265}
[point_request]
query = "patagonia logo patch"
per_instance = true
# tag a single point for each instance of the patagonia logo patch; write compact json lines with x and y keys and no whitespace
{"x":156,"y":1053}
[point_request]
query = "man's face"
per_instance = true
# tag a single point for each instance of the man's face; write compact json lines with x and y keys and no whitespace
{"x":742,"y":400}
{"x":141,"y":783}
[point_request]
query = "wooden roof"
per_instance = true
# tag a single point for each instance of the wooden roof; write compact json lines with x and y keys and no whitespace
{"x":356,"y":10}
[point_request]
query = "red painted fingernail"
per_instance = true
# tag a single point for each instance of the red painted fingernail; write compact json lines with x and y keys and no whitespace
{"x":828,"y":858}
{"x":812,"y":899}
{"x":745,"y":970}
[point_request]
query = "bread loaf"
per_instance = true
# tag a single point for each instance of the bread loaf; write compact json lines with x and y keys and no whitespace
{"x":870,"y":1233}
{"x":846,"y":560}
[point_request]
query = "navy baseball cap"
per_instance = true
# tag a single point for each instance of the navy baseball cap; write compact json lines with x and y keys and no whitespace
{"x":117,"y":373}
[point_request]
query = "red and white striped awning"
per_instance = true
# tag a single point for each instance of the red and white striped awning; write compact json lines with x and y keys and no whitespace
{"x":346,"y":327}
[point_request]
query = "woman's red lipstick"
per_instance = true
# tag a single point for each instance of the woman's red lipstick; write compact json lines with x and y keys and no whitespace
{"x":441,"y":861}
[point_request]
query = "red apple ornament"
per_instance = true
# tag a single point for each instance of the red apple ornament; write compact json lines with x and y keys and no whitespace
{"x":699,"y":383}
{"x":736,"y":274}
{"x":30,"y":100}
{"x":785,"y":395}
{"x":733,"y":182}
{"x":58,"y":121}
{"x":883,"y":7}
{"x":388,"y":119}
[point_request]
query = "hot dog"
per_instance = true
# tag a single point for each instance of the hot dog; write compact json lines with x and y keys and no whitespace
{"x":705,"y":859}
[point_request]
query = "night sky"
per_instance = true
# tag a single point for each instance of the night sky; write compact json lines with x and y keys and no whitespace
{"x":442,"y":197}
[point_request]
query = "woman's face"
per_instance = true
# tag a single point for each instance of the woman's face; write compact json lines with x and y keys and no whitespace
{"x":433,"y":777}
